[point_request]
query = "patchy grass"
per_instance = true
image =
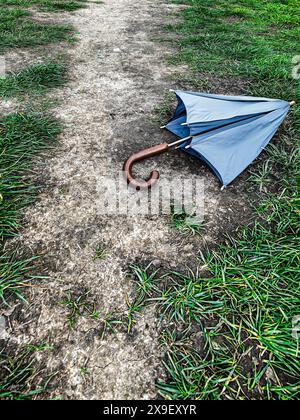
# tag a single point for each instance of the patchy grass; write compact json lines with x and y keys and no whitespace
{"x":15,"y":276}
{"x":79,"y":305}
{"x":100,"y":253}
{"x":18,"y":30}
{"x":18,"y":374}
{"x":34,"y":79}
{"x":21,"y":138}
{"x":111,"y":324}
{"x":145,"y":283}
{"x":164,"y":111}
{"x":186,"y":224}
{"x":47,"y":5}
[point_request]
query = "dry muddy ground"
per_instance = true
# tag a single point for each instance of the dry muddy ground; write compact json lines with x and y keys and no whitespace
{"x":119,"y":75}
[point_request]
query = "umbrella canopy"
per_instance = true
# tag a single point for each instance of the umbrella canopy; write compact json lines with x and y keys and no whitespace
{"x":227,"y":132}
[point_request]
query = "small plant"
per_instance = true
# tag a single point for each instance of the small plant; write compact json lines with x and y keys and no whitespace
{"x":262,"y":176}
{"x":145,"y":281}
{"x":134,"y":307}
{"x":84,"y":371}
{"x":79,"y":306}
{"x":187,"y":225}
{"x":146,"y":286}
{"x":110,"y":323}
{"x":100,"y":253}
{"x":62,"y":191}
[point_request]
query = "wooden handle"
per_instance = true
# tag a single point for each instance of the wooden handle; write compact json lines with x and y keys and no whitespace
{"x":136,"y":157}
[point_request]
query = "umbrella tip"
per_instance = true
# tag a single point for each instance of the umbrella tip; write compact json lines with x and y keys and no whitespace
{"x":292,"y":103}
{"x":172,"y":90}
{"x":162,"y":127}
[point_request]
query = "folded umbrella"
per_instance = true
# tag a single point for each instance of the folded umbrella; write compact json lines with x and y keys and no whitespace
{"x":226,"y":132}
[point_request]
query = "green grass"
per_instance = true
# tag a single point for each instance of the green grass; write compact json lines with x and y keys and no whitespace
{"x":47,"y":5}
{"x":100,"y":253}
{"x":18,"y":374}
{"x":79,"y":305}
{"x":21,"y":138}
{"x":37,"y":78}
{"x":227,"y":329}
{"x":15,"y":276}
{"x":186,"y":224}
{"x":18,"y":30}
{"x":243,"y":38}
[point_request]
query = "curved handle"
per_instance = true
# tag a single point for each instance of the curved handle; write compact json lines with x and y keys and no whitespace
{"x":136,"y":157}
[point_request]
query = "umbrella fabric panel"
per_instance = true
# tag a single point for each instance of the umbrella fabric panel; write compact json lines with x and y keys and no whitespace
{"x":231,"y":149}
{"x":228,"y":98}
{"x":200,"y":128}
{"x":176,"y":128}
{"x":208,"y":108}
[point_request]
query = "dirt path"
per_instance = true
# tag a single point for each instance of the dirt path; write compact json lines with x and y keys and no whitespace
{"x":118,"y":76}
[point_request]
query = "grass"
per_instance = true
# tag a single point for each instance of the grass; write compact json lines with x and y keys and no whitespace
{"x":100,"y":253}
{"x":15,"y":276}
{"x":18,"y":30}
{"x":227,"y":330}
{"x":144,"y":285}
{"x":21,"y":138}
{"x":37,"y":78}
{"x":186,"y":224}
{"x":47,"y":5}
{"x":79,"y":305}
{"x":111,"y":324}
{"x":242,"y":38}
{"x":163,"y":112}
{"x":18,"y":374}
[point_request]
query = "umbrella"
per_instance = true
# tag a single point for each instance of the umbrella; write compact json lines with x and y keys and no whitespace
{"x":226,"y":132}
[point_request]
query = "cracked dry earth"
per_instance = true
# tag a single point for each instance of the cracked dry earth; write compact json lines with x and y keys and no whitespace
{"x":118,"y":76}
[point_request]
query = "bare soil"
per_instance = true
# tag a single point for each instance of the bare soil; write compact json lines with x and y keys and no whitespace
{"x":118,"y":76}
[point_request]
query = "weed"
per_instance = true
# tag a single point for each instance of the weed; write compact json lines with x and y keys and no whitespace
{"x":111,"y":323}
{"x":185,"y":223}
{"x":79,"y":305}
{"x":100,"y":253}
